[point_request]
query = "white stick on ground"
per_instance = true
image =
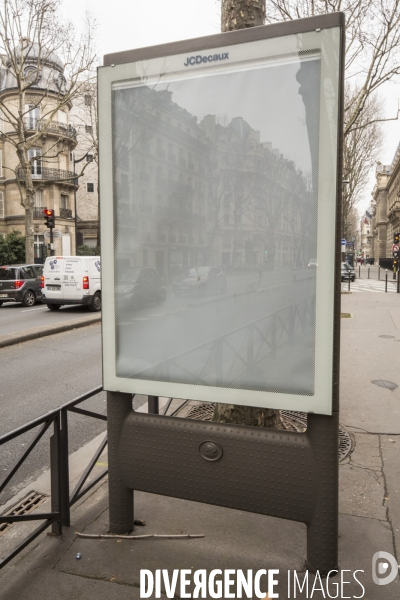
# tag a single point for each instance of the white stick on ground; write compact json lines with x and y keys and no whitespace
{"x":138,"y":537}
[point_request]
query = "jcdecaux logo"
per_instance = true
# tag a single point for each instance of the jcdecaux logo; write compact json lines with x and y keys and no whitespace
{"x":196,"y":60}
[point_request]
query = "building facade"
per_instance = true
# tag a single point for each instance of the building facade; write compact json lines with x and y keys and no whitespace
{"x":50,"y":157}
{"x":385,"y":207}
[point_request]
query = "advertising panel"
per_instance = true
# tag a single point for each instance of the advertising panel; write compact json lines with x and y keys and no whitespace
{"x":219,"y":185}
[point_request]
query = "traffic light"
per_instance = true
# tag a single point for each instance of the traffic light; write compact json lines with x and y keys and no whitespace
{"x":396,"y":238}
{"x":49,"y":218}
{"x":395,"y":263}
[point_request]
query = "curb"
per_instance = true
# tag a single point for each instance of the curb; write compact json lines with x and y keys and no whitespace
{"x":31,"y":334}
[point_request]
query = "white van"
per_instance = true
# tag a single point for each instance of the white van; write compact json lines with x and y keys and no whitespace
{"x":72,"y":280}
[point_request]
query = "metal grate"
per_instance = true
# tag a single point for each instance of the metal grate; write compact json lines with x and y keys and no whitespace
{"x":24,"y":507}
{"x":292,"y":420}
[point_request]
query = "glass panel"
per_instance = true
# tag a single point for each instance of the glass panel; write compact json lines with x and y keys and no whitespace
{"x":228,"y":165}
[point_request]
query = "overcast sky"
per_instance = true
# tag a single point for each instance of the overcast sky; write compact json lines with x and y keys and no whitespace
{"x":123,"y":25}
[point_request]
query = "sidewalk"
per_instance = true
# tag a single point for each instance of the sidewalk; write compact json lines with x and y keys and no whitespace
{"x":369,"y":498}
{"x":10,"y":339}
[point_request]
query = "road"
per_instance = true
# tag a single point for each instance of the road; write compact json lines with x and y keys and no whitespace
{"x":15,"y":318}
{"x":36,"y":377}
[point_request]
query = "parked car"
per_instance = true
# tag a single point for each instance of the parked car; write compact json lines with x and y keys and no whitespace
{"x":201,"y":281}
{"x":21,"y":283}
{"x":72,"y":280}
{"x":313,"y":262}
{"x":347,"y":272}
{"x":138,"y":286}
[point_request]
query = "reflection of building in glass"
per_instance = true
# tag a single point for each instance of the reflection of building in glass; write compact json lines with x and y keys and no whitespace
{"x":192,"y":193}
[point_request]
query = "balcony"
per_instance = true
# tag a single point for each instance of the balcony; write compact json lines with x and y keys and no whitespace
{"x":65,"y":213}
{"x":55,"y":127}
{"x":49,"y":175}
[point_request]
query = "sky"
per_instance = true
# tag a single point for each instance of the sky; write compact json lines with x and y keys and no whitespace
{"x":124,"y":25}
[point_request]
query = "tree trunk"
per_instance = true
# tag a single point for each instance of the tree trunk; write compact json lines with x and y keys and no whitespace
{"x":28,"y":203}
{"x":239,"y":14}
{"x":29,"y":235}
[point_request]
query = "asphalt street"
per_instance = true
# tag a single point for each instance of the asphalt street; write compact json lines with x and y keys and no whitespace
{"x":40,"y":375}
{"x":14,"y":317}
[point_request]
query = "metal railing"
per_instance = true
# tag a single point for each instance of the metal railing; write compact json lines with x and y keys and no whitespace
{"x":56,"y":127}
{"x":61,"y":498}
{"x":49,"y":174}
{"x":65,"y":213}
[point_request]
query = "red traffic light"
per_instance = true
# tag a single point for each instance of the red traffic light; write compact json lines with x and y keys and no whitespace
{"x":49,"y":217}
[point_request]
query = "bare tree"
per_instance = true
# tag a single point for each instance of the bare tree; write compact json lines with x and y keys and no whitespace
{"x":360,"y":151}
{"x":372,"y":41}
{"x":45,"y":66}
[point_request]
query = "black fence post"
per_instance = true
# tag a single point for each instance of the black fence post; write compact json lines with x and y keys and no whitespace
{"x":368,"y":271}
{"x":386,"y":278}
{"x":359,"y":271}
{"x":379,"y":272}
{"x":55,"y":475}
{"x":349,"y":281}
{"x":119,"y":406}
{"x":64,"y":466}
{"x":398,"y":282}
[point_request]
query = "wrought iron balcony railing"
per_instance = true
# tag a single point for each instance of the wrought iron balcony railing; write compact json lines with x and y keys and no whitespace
{"x":49,"y":174}
{"x":65,"y":213}
{"x":50,"y":127}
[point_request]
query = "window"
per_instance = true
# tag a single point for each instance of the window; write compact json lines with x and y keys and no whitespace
{"x":226,"y":219}
{"x":34,"y":157}
{"x":64,"y":201}
{"x":90,"y":187}
{"x":32,"y":115}
{"x":38,"y":198}
{"x":88,"y":100}
{"x":28,"y":273}
{"x":1,"y":205}
{"x":88,"y":129}
{"x":89,"y":157}
{"x":1,"y":163}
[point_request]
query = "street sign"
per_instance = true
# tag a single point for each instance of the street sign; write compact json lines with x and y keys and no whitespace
{"x":396,"y":254}
{"x":208,"y":119}
{"x":56,"y":234}
{"x":395,"y":247}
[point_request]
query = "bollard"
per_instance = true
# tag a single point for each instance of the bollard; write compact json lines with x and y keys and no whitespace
{"x":368,"y":272}
{"x":359,"y":271}
{"x":398,"y":282}
{"x":349,"y":281}
{"x":379,"y":272}
{"x":386,"y":281}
